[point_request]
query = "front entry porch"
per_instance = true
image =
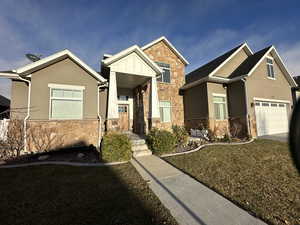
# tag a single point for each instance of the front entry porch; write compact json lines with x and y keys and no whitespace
{"x":132,"y":96}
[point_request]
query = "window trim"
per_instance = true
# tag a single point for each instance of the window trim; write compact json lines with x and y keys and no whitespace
{"x":270,"y":64}
{"x":164,"y":68}
{"x":170,"y":107}
{"x":225,"y":102}
{"x":65,"y":87}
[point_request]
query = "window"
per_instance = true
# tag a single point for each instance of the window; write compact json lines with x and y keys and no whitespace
{"x":220,"y":107}
{"x":122,"y":98}
{"x":270,"y":68}
{"x":165,"y":111}
{"x":122,"y":108}
{"x":265,"y":104}
{"x":166,"y":75}
{"x":66,"y":103}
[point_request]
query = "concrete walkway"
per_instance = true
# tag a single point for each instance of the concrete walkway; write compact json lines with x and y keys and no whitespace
{"x":276,"y":137}
{"x":189,"y":201}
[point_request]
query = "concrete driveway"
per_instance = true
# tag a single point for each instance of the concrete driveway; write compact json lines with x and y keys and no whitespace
{"x":276,"y":137}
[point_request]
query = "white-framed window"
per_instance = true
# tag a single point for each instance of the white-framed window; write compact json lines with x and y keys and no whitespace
{"x":66,"y":102}
{"x":220,"y":107}
{"x":165,"y":111}
{"x":270,"y":68}
{"x":166,"y":75}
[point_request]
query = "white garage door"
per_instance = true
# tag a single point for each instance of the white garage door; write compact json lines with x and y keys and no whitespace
{"x":271,"y":118}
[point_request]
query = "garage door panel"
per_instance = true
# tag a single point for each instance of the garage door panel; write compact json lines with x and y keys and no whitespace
{"x":271,"y":118}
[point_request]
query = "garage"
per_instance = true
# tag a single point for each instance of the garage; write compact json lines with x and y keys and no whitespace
{"x":271,"y":117}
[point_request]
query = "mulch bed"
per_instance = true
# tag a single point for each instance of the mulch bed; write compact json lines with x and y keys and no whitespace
{"x":90,"y":155}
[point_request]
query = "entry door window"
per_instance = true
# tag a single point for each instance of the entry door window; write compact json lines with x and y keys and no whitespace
{"x":66,"y":103}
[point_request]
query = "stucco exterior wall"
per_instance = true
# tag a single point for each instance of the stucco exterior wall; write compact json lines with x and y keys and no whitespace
{"x":195,"y":106}
{"x":63,"y":72}
{"x":19,"y":98}
{"x":260,"y":86}
{"x":160,"y":52}
{"x":232,"y":64}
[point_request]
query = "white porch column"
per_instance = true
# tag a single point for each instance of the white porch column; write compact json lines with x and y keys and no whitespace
{"x":112,"y":112}
{"x":154,"y":99}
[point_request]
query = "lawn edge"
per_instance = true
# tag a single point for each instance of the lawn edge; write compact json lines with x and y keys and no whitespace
{"x":205,"y":145}
{"x":63,"y":164}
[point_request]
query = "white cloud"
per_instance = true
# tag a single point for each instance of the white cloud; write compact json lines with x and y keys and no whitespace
{"x":291,"y":56}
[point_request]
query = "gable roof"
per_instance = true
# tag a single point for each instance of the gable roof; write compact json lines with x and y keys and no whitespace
{"x":126,"y":52}
{"x":4,"y":101}
{"x":164,"y":39}
{"x":209,"y":68}
{"x":249,"y":63}
{"x":44,"y":62}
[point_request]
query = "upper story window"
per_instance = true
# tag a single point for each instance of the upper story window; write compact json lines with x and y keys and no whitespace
{"x":220,"y":107}
{"x":66,"y":102}
{"x":123,"y":97}
{"x":166,"y":76}
{"x":270,"y":68}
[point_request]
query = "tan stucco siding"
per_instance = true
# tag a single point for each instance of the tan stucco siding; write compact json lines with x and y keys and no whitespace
{"x":19,"y":98}
{"x":195,"y":102}
{"x":236,"y":100}
{"x":260,"y":86}
{"x":64,"y":72}
{"x":232,"y":64}
{"x":213,"y":88}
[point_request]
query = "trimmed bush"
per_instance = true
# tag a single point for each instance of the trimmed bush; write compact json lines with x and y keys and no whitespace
{"x":115,"y":147}
{"x":161,"y":141}
{"x":180,"y":134}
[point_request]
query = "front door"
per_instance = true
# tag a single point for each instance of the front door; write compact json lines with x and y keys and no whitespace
{"x":124,"y":117}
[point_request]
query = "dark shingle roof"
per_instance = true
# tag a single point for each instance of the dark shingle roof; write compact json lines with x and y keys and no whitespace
{"x":249,"y":63}
{"x":4,"y":101}
{"x":206,"y":69}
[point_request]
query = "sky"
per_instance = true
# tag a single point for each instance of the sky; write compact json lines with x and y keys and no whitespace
{"x":200,"y":30}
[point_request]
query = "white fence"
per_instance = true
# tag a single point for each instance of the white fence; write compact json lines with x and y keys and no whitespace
{"x":3,"y":129}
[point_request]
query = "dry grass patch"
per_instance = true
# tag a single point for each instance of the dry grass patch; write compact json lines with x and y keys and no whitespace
{"x":260,"y":177}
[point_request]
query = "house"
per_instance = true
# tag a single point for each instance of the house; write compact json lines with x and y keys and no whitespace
{"x":241,"y":91}
{"x":137,"y":89}
{"x":296,"y":90}
{"x":4,"y":107}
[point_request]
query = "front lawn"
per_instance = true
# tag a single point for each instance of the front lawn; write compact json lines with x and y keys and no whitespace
{"x":260,"y":177}
{"x":78,"y":195}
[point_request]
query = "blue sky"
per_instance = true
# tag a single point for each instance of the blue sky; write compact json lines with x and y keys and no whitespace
{"x":200,"y":30}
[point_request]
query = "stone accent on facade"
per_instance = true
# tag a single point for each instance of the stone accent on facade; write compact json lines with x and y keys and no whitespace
{"x":160,"y":52}
{"x":219,"y":127}
{"x":55,"y":134}
{"x":113,"y":125}
{"x":253,"y":126}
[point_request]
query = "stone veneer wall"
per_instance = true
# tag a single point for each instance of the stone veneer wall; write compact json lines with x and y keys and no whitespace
{"x":62,"y":134}
{"x":160,"y":52}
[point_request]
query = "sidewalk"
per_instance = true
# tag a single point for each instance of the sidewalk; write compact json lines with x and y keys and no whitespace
{"x":189,"y":201}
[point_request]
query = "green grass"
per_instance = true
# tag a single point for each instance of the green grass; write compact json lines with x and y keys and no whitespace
{"x":63,"y":195}
{"x":260,"y":177}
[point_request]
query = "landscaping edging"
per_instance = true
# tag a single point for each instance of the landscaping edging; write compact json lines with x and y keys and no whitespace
{"x":63,"y":164}
{"x":205,"y":145}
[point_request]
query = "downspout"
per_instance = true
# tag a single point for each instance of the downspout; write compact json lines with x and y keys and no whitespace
{"x":99,"y":116}
{"x":28,"y":111}
{"x":247,"y":110}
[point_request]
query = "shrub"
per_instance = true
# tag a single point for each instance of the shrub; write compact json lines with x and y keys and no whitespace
{"x":161,"y":141}
{"x":181,"y":135}
{"x":115,"y":147}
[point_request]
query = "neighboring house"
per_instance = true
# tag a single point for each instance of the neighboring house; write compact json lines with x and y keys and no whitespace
{"x":296,"y":90}
{"x":4,"y":107}
{"x":245,"y":91}
{"x":137,"y":89}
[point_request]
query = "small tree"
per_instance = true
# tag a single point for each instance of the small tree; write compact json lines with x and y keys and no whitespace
{"x":15,"y":137}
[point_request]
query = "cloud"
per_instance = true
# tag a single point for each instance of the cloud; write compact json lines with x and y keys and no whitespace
{"x":291,"y":55}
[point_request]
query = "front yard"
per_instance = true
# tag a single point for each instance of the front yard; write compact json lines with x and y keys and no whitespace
{"x":259,"y":177}
{"x":78,"y":195}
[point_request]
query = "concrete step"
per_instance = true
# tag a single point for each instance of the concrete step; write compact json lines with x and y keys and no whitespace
{"x":138,"y":141}
{"x":140,"y":153}
{"x":139,"y":147}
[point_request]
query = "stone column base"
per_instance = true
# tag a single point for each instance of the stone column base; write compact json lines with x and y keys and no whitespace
{"x":113,"y":125}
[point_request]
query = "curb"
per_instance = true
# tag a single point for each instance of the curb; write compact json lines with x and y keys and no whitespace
{"x":203,"y":146}
{"x":64,"y":164}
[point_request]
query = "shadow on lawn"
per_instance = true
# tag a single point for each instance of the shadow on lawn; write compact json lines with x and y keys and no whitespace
{"x":78,"y":195}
